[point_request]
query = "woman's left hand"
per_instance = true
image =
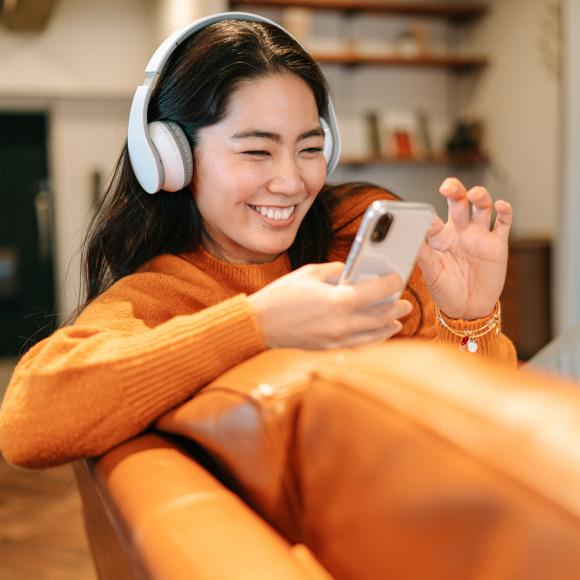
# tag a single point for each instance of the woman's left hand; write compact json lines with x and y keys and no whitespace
{"x":464,"y":263}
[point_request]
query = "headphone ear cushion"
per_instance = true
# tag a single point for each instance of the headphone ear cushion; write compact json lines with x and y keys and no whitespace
{"x":186,"y":149}
{"x":174,"y":152}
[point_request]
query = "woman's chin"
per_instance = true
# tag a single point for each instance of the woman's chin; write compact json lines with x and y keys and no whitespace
{"x":267,"y":253}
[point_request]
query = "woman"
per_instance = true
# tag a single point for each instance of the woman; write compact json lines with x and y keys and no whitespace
{"x":182,"y":286}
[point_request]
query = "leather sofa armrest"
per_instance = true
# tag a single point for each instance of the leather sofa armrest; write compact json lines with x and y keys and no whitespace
{"x":177,"y":522}
{"x":408,"y":460}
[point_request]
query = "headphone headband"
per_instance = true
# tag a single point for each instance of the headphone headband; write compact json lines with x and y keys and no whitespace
{"x":144,"y":156}
{"x":166,"y":48}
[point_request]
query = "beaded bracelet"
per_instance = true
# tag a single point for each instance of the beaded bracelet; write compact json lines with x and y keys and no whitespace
{"x":469,"y":336}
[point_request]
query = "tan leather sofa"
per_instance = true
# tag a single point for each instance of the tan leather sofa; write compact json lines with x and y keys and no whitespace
{"x":406,"y":461}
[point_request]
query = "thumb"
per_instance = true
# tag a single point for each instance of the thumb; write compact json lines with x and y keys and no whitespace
{"x":429,"y":263}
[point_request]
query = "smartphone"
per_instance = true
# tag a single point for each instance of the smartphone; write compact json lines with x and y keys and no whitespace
{"x":388,"y":240}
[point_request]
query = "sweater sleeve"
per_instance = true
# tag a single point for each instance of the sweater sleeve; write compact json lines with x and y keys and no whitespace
{"x":86,"y":389}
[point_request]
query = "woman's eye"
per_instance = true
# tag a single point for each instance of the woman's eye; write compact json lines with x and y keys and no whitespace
{"x":312,"y":150}
{"x":257,"y":153}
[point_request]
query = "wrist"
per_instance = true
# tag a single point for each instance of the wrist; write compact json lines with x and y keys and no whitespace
{"x":466,"y":333}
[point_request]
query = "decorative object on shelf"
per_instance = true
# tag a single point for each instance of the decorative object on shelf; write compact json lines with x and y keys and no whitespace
{"x":413,"y":42}
{"x":400,"y":134}
{"x":466,"y":140}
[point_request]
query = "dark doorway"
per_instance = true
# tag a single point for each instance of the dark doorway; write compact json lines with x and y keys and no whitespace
{"x":26,"y":271}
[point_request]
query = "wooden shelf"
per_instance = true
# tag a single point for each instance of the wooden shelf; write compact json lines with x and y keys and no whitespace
{"x":457,"y":159}
{"x":456,"y":63}
{"x":452,"y":12}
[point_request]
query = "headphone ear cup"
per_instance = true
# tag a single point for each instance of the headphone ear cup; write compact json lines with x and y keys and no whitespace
{"x":174,"y":152}
{"x":328,"y":140}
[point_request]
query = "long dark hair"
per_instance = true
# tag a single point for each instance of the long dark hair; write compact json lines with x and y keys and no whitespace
{"x":195,"y":89}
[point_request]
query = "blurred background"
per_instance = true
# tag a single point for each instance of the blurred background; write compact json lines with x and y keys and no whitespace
{"x":485,"y":90}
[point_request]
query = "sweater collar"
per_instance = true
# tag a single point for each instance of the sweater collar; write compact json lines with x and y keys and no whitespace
{"x":248,"y":277}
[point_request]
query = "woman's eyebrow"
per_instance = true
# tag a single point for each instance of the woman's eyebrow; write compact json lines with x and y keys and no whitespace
{"x":247,"y":134}
{"x":318,"y":132}
{"x":256,"y":133}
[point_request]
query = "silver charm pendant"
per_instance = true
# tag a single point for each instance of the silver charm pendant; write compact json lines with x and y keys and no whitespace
{"x":463,"y":343}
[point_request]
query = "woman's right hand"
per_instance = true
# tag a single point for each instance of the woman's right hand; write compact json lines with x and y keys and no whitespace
{"x":308,"y":309}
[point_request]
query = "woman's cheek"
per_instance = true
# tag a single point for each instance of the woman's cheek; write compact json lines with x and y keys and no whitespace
{"x":315,"y":176}
{"x":250,"y":177}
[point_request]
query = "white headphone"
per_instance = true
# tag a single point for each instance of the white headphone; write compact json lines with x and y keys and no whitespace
{"x":160,"y":153}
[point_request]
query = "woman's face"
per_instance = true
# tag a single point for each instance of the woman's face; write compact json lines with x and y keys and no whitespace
{"x":258,"y":171}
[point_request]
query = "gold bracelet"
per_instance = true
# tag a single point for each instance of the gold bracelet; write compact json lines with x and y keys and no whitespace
{"x":469,"y":336}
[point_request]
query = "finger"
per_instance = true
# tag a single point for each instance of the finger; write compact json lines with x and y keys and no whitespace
{"x":482,"y":206}
{"x":504,"y":218}
{"x":436,"y":226}
{"x":366,"y":293}
{"x":329,"y":272}
{"x":376,"y":317}
{"x":366,"y":339}
{"x":457,"y":204}
{"x":429,"y":263}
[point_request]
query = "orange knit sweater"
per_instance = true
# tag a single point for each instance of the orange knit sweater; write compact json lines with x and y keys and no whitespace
{"x":154,"y":339}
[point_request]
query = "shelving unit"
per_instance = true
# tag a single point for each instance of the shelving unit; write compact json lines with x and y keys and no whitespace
{"x":456,"y":63}
{"x":453,"y":160}
{"x":457,"y":14}
{"x":453,"y":12}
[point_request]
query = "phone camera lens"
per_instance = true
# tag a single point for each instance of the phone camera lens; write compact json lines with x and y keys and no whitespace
{"x":382,"y":228}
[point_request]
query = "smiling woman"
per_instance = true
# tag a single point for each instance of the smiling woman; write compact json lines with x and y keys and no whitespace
{"x":259,"y":170}
{"x":244,"y":255}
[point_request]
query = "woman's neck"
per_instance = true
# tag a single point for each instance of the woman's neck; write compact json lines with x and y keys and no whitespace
{"x":217,"y":252}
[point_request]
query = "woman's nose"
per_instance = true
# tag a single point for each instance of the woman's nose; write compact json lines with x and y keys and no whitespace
{"x":286,"y":178}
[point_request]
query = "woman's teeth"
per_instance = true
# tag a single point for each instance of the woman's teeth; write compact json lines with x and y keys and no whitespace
{"x":275,"y":214}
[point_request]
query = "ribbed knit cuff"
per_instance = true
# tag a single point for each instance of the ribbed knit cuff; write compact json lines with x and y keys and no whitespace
{"x":166,"y":366}
{"x":488,"y":346}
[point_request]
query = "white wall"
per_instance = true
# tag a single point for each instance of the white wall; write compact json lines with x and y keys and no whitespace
{"x":518,"y":96}
{"x":86,"y":136}
{"x":89,"y":49}
{"x":170,"y":15}
{"x":567,"y":266}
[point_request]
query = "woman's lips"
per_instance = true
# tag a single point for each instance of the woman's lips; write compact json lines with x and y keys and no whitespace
{"x":274,"y":214}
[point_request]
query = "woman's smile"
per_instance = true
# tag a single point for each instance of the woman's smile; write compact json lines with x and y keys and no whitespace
{"x":275,"y":214}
